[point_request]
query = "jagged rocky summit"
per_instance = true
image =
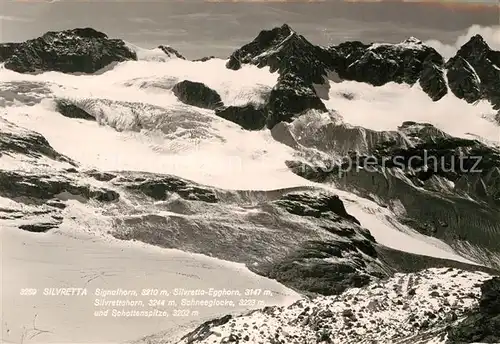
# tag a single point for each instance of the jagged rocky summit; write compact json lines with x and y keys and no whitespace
{"x":474,"y":72}
{"x":80,"y":50}
{"x":303,"y":237}
{"x":424,"y":307}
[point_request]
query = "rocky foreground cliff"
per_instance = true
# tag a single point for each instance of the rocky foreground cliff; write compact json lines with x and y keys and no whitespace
{"x":432,"y":306}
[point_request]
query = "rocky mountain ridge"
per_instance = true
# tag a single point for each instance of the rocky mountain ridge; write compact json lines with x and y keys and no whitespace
{"x":472,"y":74}
{"x":288,"y":226}
{"x":402,"y":170}
{"x":423,"y":307}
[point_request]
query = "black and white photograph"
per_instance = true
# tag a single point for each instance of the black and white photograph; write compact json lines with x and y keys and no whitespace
{"x":249,"y":171}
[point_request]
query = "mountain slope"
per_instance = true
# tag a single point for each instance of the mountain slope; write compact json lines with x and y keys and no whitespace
{"x":412,"y":308}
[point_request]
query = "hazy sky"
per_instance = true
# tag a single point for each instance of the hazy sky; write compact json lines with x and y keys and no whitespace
{"x":197,"y":29}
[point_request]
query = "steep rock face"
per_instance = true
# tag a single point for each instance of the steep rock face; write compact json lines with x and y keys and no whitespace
{"x":204,"y":59}
{"x":474,"y":72}
{"x":411,"y":308}
{"x":40,"y":187}
{"x":82,"y":50}
{"x":483,"y":324}
{"x":290,"y":98}
{"x":463,"y":80}
{"x":402,"y":62}
{"x":326,"y":266}
{"x":197,"y":94}
{"x":300,"y":64}
{"x":69,"y":109}
{"x":315,"y":206}
{"x":249,"y":117}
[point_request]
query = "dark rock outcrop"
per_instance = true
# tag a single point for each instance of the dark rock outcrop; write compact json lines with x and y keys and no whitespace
{"x":320,"y":205}
{"x":311,"y":268}
{"x":432,"y":80}
{"x":204,"y":59}
{"x":203,"y":331}
{"x":82,"y":50}
{"x":197,"y":94}
{"x":16,"y":140}
{"x":490,"y":298}
{"x":483,"y":325}
{"x":38,"y":227}
{"x":169,"y":51}
{"x":327,"y":267}
{"x":71,"y":110}
{"x":463,"y":80}
{"x":248,"y":117}
{"x":38,"y":187}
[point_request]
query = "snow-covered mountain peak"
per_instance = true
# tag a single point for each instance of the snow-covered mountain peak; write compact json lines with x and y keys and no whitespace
{"x":410,"y":43}
{"x":87,"y":32}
